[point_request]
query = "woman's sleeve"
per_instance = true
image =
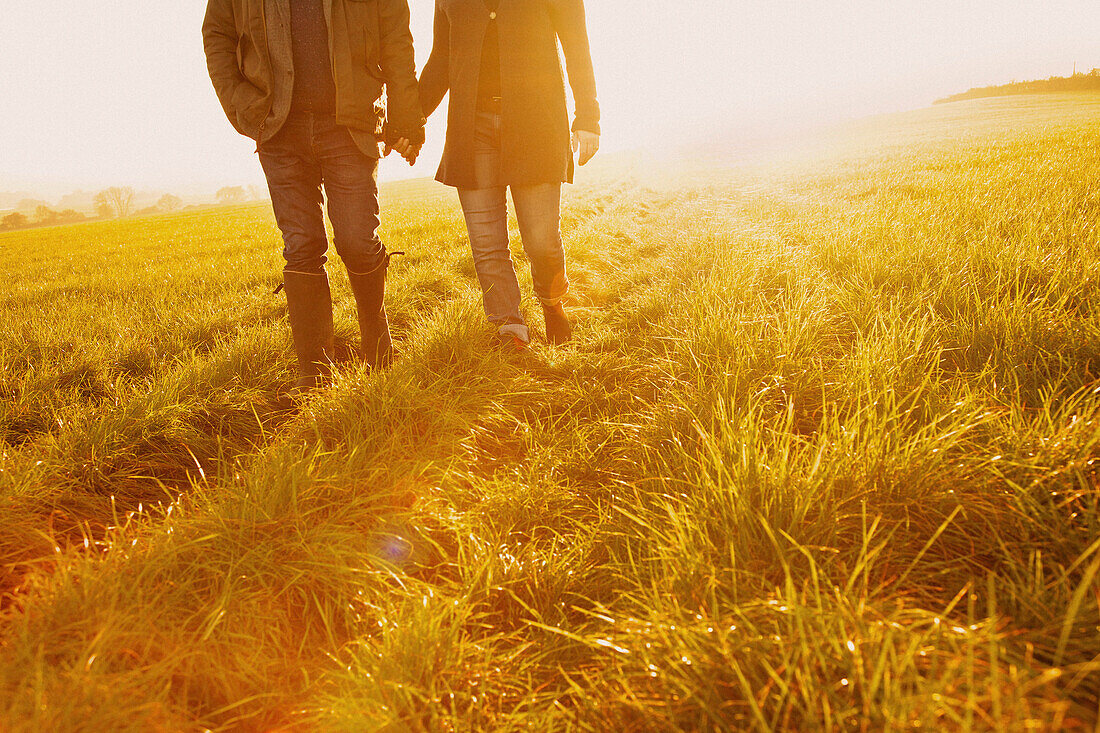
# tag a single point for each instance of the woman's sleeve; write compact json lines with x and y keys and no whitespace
{"x":435,"y":78}
{"x":570,"y":25}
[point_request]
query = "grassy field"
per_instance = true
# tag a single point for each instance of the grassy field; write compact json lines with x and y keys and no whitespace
{"x":823,"y":456}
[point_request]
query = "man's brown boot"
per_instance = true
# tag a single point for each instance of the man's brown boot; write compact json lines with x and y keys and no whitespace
{"x":370,"y":294}
{"x":309,"y":304}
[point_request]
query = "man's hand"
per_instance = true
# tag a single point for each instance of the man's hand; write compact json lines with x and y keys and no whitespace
{"x":587,"y":144}
{"x":407,"y":150}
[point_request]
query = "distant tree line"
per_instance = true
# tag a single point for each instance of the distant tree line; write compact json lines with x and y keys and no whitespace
{"x":116,"y":202}
{"x":1077,"y":83}
{"x":44,"y":216}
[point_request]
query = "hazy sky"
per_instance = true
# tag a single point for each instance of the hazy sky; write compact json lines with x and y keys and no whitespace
{"x":116,"y":92}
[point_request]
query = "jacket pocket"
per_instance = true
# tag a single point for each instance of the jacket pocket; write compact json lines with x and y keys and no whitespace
{"x":250,"y":62}
{"x":249,"y":104}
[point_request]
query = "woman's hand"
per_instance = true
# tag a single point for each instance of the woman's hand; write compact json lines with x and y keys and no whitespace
{"x":587,"y":144}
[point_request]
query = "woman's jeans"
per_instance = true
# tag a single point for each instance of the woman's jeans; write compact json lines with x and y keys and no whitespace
{"x":309,"y":151}
{"x":538,"y":209}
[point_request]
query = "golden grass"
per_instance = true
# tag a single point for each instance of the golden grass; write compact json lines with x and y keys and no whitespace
{"x":822,"y":457}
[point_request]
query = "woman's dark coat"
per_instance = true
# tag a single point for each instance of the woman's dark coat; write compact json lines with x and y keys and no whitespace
{"x":535,"y":144}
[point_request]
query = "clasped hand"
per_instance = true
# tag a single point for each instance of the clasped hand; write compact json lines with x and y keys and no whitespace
{"x":407,"y":150}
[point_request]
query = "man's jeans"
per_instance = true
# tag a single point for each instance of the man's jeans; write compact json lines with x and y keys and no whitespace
{"x":538,"y":209}
{"x":311,"y":150}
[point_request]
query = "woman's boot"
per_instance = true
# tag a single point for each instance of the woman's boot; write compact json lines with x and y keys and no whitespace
{"x":370,"y":294}
{"x":558,"y":329}
{"x":309,"y":304}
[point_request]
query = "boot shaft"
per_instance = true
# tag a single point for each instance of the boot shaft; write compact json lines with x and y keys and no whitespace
{"x":309,"y":307}
{"x":370,"y":294}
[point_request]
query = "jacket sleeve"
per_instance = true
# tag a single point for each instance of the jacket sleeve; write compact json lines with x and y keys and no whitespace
{"x":219,"y":40}
{"x":571,"y":27}
{"x":436,"y":77}
{"x":398,"y":62}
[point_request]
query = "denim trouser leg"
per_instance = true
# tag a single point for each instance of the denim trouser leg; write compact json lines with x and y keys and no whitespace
{"x":351,"y":185}
{"x":309,"y":152}
{"x":538,"y":210}
{"x":486,"y":211}
{"x":294,"y":182}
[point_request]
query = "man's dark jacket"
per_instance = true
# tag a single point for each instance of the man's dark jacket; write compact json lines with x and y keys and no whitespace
{"x":535,"y":144}
{"x":250,"y":58}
